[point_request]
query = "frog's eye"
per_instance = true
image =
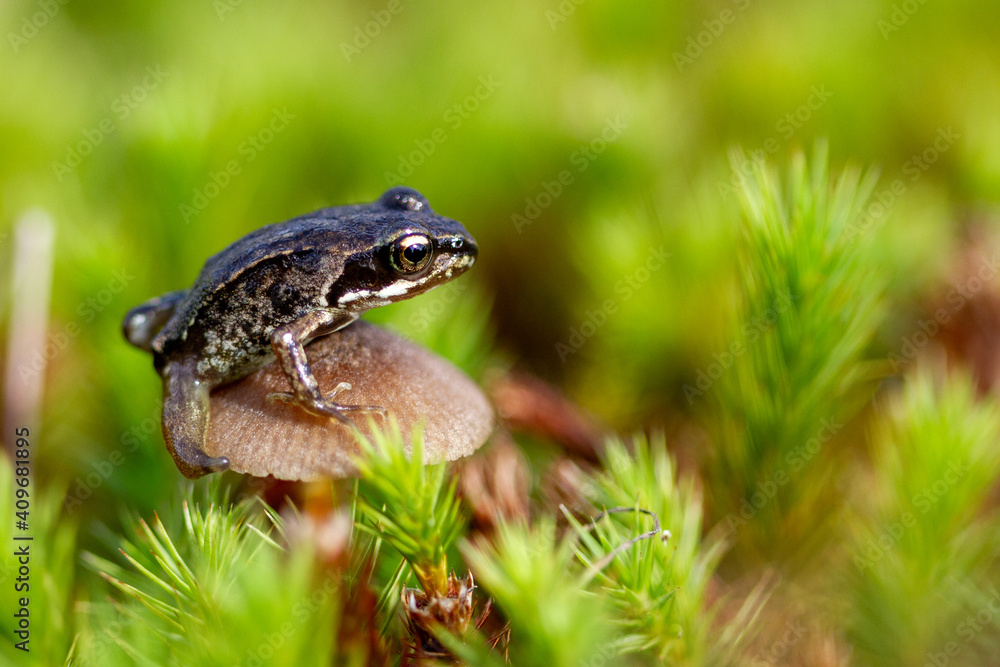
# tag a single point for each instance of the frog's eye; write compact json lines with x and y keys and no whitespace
{"x":404,"y":199}
{"x":411,"y":253}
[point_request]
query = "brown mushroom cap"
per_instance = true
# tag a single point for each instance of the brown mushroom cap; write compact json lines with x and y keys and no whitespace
{"x":263,"y":437}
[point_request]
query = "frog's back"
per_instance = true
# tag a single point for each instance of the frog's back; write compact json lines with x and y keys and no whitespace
{"x":306,"y":240}
{"x":325,"y":228}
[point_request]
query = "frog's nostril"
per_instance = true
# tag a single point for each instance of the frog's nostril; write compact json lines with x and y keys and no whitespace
{"x":459,"y":245}
{"x":452,"y":243}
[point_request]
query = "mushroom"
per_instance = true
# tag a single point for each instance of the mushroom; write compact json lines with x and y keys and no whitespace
{"x":263,"y":437}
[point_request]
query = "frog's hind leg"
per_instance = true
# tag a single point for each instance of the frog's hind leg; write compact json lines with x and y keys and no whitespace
{"x":287,"y":342}
{"x":185,"y":421}
{"x":142,"y":323}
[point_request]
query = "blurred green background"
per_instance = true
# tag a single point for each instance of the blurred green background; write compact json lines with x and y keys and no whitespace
{"x":481,"y":106}
{"x":577,"y":141}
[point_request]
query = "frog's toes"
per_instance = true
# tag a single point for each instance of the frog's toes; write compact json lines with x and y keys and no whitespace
{"x":377,"y":409}
{"x":342,"y":386}
{"x":282,"y":396}
{"x":325,"y":407}
{"x":346,"y":386}
{"x":198,"y":464}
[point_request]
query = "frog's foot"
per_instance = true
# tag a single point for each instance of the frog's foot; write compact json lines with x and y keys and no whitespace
{"x":323,"y":406}
{"x":142,"y":323}
{"x":194,"y":463}
{"x":185,"y":422}
{"x":287,"y":342}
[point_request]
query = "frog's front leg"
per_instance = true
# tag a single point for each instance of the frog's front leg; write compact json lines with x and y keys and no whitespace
{"x":288,"y":341}
{"x":185,"y":420}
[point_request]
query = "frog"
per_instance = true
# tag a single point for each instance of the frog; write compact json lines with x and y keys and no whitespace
{"x":267,"y":295}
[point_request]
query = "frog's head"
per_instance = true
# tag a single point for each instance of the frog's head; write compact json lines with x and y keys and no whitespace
{"x":410,"y":250}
